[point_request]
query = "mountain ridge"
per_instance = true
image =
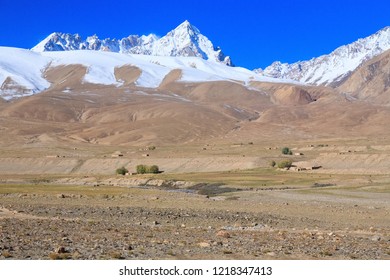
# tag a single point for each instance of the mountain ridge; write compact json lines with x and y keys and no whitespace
{"x":187,"y":41}
{"x":184,"y":50}
{"x":183,"y":41}
{"x":331,"y":69}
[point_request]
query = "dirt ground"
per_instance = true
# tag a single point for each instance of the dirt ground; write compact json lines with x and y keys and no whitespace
{"x":213,"y":201}
{"x":105,"y":222}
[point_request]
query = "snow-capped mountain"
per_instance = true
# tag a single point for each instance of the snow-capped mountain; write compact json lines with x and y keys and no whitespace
{"x":332,"y":68}
{"x":23,"y":72}
{"x":184,"y":41}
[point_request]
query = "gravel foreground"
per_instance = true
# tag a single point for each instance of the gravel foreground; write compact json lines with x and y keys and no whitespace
{"x":146,"y":226}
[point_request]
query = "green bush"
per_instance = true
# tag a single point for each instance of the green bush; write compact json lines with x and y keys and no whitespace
{"x":122,"y":171}
{"x":272,"y":163}
{"x":285,"y":163}
{"x":153,"y":169}
{"x":142,"y":169}
{"x":286,"y":151}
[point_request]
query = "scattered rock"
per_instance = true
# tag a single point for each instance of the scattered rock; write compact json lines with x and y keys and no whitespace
{"x":223,"y":233}
{"x":376,"y":238}
{"x":97,"y":229}
{"x":203,"y":244}
{"x":61,"y":250}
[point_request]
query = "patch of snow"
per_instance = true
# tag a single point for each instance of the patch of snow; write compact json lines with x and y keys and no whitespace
{"x":25,"y":69}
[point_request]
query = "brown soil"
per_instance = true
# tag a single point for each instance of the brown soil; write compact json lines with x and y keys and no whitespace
{"x":134,"y":223}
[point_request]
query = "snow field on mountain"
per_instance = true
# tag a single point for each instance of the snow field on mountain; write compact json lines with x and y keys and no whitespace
{"x":195,"y":69}
{"x":339,"y":68}
{"x":101,"y":66}
{"x":26,"y":68}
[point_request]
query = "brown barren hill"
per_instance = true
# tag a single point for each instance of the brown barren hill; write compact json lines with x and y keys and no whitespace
{"x":371,"y":81}
{"x":291,"y":95}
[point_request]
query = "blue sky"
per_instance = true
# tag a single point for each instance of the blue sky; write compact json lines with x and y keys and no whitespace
{"x":253,"y":33}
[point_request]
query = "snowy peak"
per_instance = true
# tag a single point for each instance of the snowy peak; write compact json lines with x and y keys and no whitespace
{"x":184,"y":41}
{"x":186,"y":28}
{"x":333,"y":68}
{"x":58,"y":41}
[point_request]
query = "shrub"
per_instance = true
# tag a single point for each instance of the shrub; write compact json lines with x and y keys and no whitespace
{"x":122,"y":171}
{"x":286,"y":151}
{"x":285,"y":163}
{"x":272,"y":163}
{"x":141,"y":169}
{"x":153,"y":169}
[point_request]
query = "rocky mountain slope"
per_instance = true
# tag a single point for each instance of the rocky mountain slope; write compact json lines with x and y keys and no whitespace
{"x":371,"y":81}
{"x":332,"y":68}
{"x":184,"y":41}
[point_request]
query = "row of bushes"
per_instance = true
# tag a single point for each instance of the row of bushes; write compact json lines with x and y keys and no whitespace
{"x":141,"y":169}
